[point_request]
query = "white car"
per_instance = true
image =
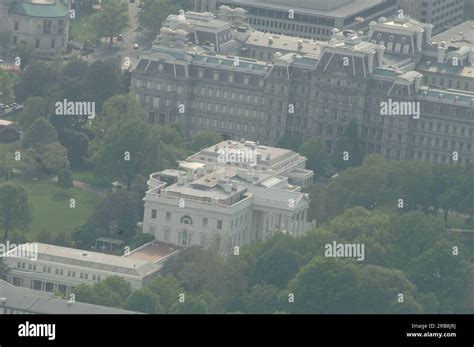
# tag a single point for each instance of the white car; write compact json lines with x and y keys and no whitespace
{"x":135,"y":46}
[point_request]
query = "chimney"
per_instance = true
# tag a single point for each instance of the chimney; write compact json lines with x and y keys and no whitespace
{"x":429,"y":31}
{"x":370,"y":61}
{"x":418,"y":82}
{"x":441,"y":52}
{"x":419,"y":39}
{"x":380,"y":50}
{"x":372,"y":25}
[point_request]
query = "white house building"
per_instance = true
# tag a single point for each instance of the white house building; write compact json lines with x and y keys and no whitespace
{"x":228,"y":195}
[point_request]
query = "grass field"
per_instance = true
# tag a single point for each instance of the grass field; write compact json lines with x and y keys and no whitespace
{"x":81,"y":29}
{"x":88,"y":177}
{"x":51,"y":207}
{"x":7,"y":147}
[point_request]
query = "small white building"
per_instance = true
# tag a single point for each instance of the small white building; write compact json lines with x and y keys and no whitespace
{"x":228,"y":195}
{"x":53,"y":268}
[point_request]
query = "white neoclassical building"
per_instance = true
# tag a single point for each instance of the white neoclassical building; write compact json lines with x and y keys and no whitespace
{"x":42,"y":24}
{"x":228,"y":195}
{"x":51,"y":268}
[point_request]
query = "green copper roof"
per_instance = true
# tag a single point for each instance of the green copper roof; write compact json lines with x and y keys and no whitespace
{"x":45,"y":10}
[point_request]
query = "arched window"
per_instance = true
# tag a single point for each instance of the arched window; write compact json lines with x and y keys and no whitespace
{"x":186,"y":220}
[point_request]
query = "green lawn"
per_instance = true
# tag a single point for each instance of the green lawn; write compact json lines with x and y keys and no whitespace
{"x":51,"y":210}
{"x":88,"y":177}
{"x":7,"y":147}
{"x":81,"y":29}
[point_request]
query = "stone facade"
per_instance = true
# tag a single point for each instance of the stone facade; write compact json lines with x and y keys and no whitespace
{"x":228,"y":195}
{"x":443,"y":14}
{"x":318,"y":95}
{"x":42,"y":24}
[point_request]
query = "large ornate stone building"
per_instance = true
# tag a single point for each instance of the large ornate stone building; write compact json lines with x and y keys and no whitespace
{"x":42,"y":24}
{"x":412,"y":98}
{"x":227,"y":195}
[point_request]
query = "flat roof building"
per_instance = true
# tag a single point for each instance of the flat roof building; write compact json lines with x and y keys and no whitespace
{"x":53,"y":268}
{"x":14,"y":300}
{"x":312,"y":19}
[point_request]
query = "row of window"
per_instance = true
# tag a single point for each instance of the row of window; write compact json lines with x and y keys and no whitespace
{"x":58,"y":271}
{"x":47,"y":26}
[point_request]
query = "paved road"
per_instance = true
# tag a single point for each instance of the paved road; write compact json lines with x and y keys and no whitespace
{"x":122,"y":49}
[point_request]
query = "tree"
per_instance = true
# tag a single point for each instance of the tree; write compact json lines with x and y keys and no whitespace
{"x":153,"y":13}
{"x":35,"y":107}
{"x":65,"y":179}
{"x":143,"y":301}
{"x":101,"y":82}
{"x":290,"y":142}
{"x":445,"y":272}
{"x":111,"y":20}
{"x":191,"y":305}
{"x":37,"y":80}
{"x":261,"y":299}
{"x":53,"y":157}
{"x":348,"y":150}
{"x":204,"y":139}
{"x":128,"y":149}
{"x":112,"y":292}
{"x":318,"y":158}
{"x":416,"y":183}
{"x":40,"y":133}
{"x":6,"y":87}
{"x":23,"y":161}
{"x":15,"y":211}
{"x":77,"y":145}
{"x":25,"y":52}
{"x":3,"y":270}
{"x":115,"y":216}
{"x":414,"y":233}
{"x":276,"y":267}
{"x":379,"y":289}
{"x":168,"y":289}
{"x":118,"y":109}
{"x":324,"y":285}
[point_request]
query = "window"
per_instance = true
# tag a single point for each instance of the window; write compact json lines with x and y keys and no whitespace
{"x":204,"y":222}
{"x":47,"y":27}
{"x":37,"y":43}
{"x":81,"y":275}
{"x":86,"y":276}
{"x":53,"y":43}
{"x":16,"y":26}
{"x":219,"y":225}
{"x":168,"y":216}
{"x":184,"y":240}
{"x":186,"y":220}
{"x":153,"y":214}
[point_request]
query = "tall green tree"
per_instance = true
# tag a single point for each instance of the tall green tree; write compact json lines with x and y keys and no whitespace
{"x":112,"y":19}
{"x":153,"y":13}
{"x":128,"y":149}
{"x":40,"y":133}
{"x":317,"y":156}
{"x":324,"y":285}
{"x":15,"y":210}
{"x":348,"y":150}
